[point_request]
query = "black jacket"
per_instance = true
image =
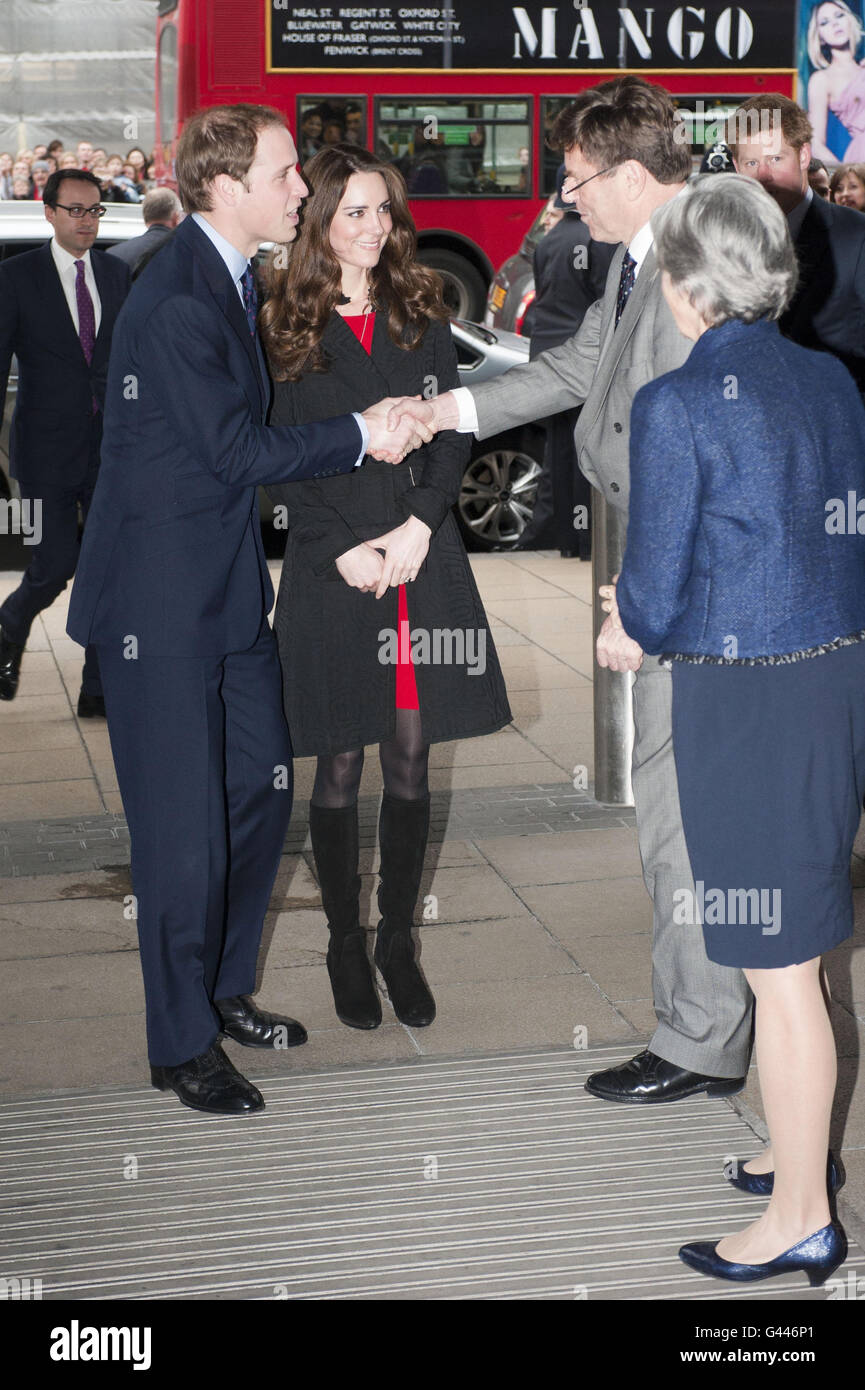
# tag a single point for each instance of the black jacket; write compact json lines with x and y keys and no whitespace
{"x":570,"y":274}
{"x":339,"y":694}
{"x":53,"y":425}
{"x":828,"y":309}
{"x":136,"y":247}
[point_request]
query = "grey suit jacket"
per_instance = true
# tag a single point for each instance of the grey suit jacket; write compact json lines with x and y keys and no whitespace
{"x":600,"y":366}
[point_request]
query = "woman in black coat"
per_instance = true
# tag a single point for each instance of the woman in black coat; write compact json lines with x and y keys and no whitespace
{"x":381,"y":630}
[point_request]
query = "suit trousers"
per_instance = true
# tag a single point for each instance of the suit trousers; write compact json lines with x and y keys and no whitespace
{"x":204,"y":765}
{"x":561,"y":488}
{"x":704,"y":1010}
{"x":53,"y":560}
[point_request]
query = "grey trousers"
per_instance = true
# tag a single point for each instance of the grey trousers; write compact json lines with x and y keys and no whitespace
{"x":703,"y":1010}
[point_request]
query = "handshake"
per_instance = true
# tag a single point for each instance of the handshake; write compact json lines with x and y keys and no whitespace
{"x":399,"y":424}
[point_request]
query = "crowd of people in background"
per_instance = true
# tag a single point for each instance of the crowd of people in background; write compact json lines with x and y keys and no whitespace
{"x":123,"y":178}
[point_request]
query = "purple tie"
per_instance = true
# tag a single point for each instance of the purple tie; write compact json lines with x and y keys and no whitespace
{"x":86,"y":316}
{"x":250,"y":298}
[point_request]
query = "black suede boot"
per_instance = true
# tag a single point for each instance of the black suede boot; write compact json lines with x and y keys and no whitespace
{"x":335,"y":847}
{"x":403,"y":828}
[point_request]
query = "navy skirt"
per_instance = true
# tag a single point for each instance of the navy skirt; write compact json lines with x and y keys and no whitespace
{"x":770,"y":762}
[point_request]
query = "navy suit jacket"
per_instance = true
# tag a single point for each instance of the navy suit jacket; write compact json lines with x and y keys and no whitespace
{"x":172,"y":554}
{"x":734,"y":458}
{"x":53,"y":424}
{"x":828,"y":309}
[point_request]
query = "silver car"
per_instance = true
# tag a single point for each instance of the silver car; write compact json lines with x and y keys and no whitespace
{"x":500,"y":483}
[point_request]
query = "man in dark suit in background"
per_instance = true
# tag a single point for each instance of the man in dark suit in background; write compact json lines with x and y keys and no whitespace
{"x":161,"y":211}
{"x":58,"y":307}
{"x":770,"y":137}
{"x":173,"y":588}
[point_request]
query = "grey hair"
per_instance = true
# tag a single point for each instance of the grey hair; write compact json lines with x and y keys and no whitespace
{"x":159,"y":204}
{"x":725,"y":242}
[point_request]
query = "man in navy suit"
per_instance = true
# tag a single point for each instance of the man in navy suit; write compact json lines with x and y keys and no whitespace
{"x":173,"y":588}
{"x":770,"y":137}
{"x":58,"y":307}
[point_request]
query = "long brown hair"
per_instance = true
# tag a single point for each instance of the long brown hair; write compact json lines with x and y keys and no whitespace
{"x":303,"y":294}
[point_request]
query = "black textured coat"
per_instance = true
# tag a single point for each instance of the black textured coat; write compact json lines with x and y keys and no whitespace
{"x":339,"y":694}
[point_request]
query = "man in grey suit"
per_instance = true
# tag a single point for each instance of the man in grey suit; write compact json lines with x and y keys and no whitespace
{"x":161,"y":211}
{"x":625,"y":158}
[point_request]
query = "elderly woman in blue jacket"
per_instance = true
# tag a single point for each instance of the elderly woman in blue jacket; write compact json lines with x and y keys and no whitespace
{"x":743,"y":566}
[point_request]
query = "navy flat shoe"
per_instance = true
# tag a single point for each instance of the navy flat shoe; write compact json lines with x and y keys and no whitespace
{"x":762,"y":1184}
{"x":818,"y":1256}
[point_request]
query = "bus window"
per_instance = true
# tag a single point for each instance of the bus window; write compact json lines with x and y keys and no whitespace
{"x":705,"y":118}
{"x":329,"y":121}
{"x":550,"y":159}
{"x":167,"y":85}
{"x":457,"y":147}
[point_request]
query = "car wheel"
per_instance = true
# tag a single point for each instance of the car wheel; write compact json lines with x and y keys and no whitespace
{"x":465,"y":293}
{"x":499,"y":489}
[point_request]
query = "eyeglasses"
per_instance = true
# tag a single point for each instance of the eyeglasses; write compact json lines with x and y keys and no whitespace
{"x":76,"y":210}
{"x":569,"y":189}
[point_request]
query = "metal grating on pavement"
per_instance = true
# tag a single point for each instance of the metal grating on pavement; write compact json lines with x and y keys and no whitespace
{"x":480,"y":1178}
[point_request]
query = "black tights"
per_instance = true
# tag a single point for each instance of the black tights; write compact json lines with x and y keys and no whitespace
{"x":404,"y":760}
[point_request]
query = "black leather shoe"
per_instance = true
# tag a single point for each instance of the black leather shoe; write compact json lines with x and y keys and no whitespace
{"x":211,"y":1083}
{"x":648,"y":1080}
{"x":91,"y":706}
{"x":10,"y":666}
{"x":355,"y":997}
{"x":252,"y":1027}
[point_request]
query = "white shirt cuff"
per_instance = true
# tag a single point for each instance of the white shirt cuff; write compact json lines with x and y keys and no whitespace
{"x":364,"y":434}
{"x":465,"y":403}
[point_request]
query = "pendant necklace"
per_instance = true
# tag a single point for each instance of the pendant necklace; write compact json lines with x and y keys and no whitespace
{"x":367,"y":318}
{"x":370,"y":310}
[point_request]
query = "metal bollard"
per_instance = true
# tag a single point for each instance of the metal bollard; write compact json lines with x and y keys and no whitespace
{"x":613,"y":704}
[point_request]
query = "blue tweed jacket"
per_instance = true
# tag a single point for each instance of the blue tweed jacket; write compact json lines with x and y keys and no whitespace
{"x":747,"y":465}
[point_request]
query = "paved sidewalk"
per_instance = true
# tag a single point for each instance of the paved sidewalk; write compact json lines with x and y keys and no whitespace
{"x":537,"y":923}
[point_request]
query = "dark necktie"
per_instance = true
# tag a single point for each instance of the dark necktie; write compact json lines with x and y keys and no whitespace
{"x":626,"y":284}
{"x":250,"y":298}
{"x":86,"y":316}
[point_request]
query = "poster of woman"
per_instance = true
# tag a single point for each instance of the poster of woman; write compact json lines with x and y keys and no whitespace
{"x":832,"y":71}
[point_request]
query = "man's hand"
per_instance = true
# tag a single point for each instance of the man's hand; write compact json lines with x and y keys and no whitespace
{"x":361,"y":567}
{"x":439,"y":412}
{"x":405,"y":549}
{"x":391,"y":443}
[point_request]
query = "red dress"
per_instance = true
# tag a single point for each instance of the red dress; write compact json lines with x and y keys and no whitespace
{"x":363,"y":326}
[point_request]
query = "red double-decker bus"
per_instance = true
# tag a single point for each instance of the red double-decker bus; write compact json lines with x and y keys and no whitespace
{"x":459,"y":95}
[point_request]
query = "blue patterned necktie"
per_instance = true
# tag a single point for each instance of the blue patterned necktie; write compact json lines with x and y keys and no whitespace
{"x":250,"y":298}
{"x":626,"y":284}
